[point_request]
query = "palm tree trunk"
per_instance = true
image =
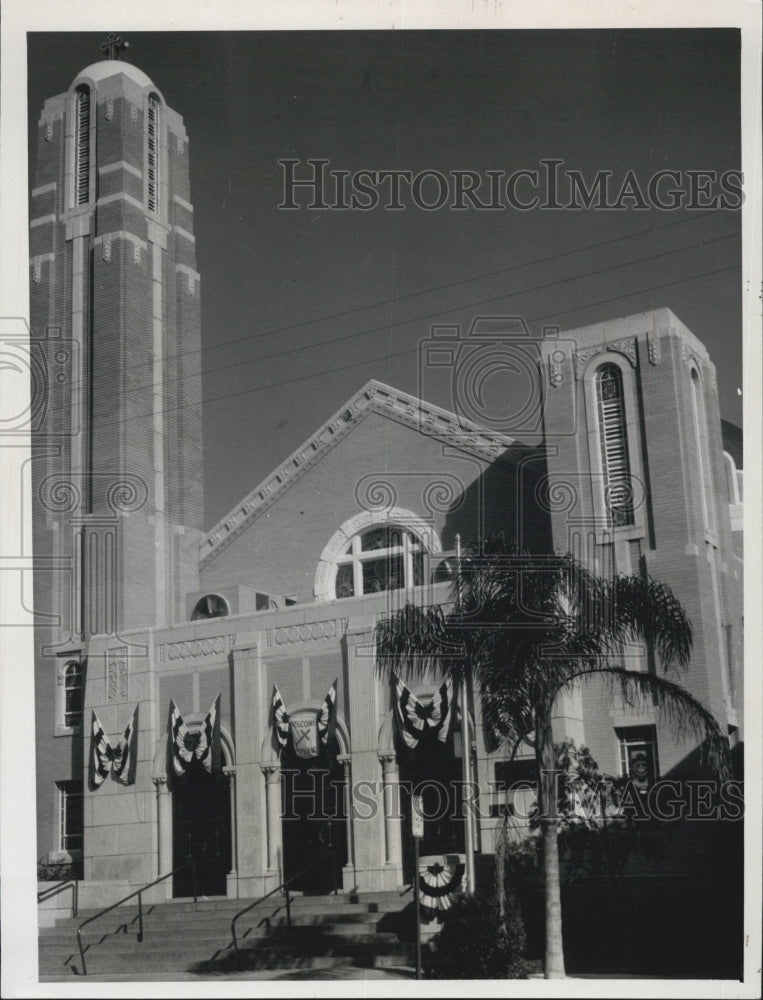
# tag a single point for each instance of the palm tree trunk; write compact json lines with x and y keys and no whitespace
{"x":554,"y":963}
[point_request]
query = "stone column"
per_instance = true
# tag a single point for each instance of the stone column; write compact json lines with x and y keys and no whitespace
{"x":249,"y":704}
{"x":349,"y":868}
{"x":231,"y":772}
{"x":272,"y":774}
{"x":164,"y":815}
{"x":363,"y":696}
{"x":392,"y":816}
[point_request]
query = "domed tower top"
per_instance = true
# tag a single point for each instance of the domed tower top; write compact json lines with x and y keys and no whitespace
{"x":99,"y":71}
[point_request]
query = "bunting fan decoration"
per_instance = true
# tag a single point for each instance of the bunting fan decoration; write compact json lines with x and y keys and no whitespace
{"x":415,"y":718}
{"x":280,"y":719}
{"x":438,"y":887}
{"x":202,"y":746}
{"x":121,"y":760}
{"x":327,"y":715}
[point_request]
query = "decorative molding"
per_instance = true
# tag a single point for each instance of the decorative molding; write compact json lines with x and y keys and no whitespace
{"x":375,"y":397}
{"x":116,"y":673}
{"x":107,"y":248}
{"x":306,"y":632}
{"x":134,"y":112}
{"x":37,"y":271}
{"x":136,"y":253}
{"x":181,"y":145}
{"x":654,"y":350}
{"x":582,"y":357}
{"x":109,"y":110}
{"x":626,"y":346}
{"x":214,"y":645}
{"x":48,"y":131}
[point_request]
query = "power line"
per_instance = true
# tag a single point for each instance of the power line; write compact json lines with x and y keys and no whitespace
{"x":434,"y":288}
{"x":414,"y":350}
{"x":416,"y":319}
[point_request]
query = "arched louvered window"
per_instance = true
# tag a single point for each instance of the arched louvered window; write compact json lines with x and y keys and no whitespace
{"x":703,"y":460}
{"x":152,"y":165}
{"x":82,"y":147}
{"x":613,"y":435}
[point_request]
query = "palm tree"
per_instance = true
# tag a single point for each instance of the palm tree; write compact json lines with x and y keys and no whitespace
{"x":523,"y":629}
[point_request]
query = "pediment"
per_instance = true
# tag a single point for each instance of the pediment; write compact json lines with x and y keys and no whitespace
{"x":375,"y":397}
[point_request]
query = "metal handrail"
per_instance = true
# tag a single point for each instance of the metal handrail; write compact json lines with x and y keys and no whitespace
{"x":68,"y":883}
{"x":285,"y":886}
{"x":138,"y":893}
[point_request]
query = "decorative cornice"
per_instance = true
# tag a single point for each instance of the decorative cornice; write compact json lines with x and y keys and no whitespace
{"x":306,"y":632}
{"x":375,"y":397}
{"x":213,"y":645}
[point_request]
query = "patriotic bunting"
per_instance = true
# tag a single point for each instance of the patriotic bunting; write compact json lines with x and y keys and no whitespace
{"x":308,"y":730}
{"x":280,"y":719}
{"x":438,"y":887}
{"x":202,"y":746}
{"x":327,"y":715}
{"x":121,"y":760}
{"x":414,"y":718}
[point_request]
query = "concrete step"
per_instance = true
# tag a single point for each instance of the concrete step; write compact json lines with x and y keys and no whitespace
{"x":209,"y":939}
{"x":267,"y":954}
{"x":195,"y":937}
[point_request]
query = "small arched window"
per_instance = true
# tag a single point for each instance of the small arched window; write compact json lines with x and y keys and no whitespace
{"x":152,"y":164}
{"x":380,"y":559}
{"x":210,"y":606}
{"x":72,"y":695}
{"x":82,"y":146}
{"x":613,"y":437}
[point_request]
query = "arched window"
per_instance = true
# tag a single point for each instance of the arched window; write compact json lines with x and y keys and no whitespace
{"x":382,"y":558}
{"x":72,"y":695}
{"x":152,"y":164}
{"x":82,"y":146}
{"x":210,"y":606}
{"x":613,"y":437}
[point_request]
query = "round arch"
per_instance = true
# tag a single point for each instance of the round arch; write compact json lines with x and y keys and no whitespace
{"x":193,"y":721}
{"x":270,"y":754}
{"x":399,"y":517}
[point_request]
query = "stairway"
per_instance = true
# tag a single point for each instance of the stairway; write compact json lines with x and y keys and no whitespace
{"x":369,"y":930}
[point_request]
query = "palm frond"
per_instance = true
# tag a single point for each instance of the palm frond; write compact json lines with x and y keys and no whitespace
{"x":687,"y":716}
{"x":416,"y":640}
{"x":649,"y":610}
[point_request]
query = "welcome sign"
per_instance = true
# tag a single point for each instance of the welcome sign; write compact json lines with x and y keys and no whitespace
{"x":304,"y":733}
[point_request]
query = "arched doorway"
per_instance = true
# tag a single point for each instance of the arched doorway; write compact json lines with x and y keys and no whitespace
{"x":201,"y":829}
{"x":314,"y":820}
{"x":434,"y":771}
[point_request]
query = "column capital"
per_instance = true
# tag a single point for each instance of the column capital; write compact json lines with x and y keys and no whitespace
{"x":388,"y":760}
{"x":272,"y":772}
{"x":230,"y":770}
{"x":160,"y":780}
{"x":344,"y":759}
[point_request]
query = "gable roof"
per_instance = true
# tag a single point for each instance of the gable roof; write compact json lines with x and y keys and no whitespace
{"x":374,"y":397}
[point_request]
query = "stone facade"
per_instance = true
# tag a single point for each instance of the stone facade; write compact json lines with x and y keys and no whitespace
{"x":115,"y":297}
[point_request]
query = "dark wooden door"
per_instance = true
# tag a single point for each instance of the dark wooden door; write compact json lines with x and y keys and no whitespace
{"x":202,"y":830}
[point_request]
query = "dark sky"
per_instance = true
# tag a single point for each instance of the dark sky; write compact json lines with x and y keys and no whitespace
{"x":301,"y":308}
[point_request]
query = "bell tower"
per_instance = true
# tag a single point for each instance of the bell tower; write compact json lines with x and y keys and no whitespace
{"x":115,"y":316}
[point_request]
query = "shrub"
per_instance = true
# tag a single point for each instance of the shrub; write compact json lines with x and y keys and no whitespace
{"x":474,"y":944}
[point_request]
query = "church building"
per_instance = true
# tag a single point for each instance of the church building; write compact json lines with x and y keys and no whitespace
{"x":214,"y":693}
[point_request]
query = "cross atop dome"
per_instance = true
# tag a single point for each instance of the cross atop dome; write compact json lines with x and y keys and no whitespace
{"x":113,"y":45}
